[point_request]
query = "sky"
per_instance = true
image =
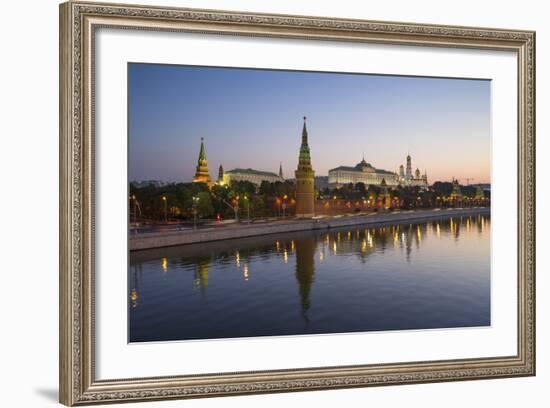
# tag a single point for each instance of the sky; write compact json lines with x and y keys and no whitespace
{"x":252,"y":118}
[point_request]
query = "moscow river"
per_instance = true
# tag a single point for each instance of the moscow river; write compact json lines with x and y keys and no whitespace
{"x":409,"y":276}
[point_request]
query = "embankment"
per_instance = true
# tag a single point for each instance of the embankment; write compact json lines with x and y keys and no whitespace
{"x":232,"y":231}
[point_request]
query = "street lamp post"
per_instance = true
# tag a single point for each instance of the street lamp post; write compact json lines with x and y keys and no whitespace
{"x":247,"y":208}
{"x":165,"y":208}
{"x":195,"y":201}
{"x":135,"y":212}
{"x":284,"y":204}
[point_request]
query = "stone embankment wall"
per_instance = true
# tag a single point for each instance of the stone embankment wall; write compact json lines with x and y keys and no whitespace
{"x":232,"y":231}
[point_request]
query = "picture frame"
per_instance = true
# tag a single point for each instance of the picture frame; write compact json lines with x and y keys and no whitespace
{"x":79,"y":22}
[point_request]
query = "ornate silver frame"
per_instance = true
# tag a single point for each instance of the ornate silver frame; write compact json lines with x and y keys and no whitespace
{"x":78,"y":21}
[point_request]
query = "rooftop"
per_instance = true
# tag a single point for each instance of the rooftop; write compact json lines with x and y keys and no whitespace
{"x":252,"y":171}
{"x":358,"y":170}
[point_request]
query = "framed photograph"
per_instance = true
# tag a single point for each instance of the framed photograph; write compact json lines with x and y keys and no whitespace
{"x":256,"y":203}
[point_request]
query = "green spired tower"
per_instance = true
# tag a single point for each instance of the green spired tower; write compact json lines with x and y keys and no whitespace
{"x":305,"y":180}
{"x":202,"y":175}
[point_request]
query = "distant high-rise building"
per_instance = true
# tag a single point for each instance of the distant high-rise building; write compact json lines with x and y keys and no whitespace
{"x":305,"y":180}
{"x":202,"y":175}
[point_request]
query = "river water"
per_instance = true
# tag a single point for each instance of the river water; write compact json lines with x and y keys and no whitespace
{"x":410,"y":276}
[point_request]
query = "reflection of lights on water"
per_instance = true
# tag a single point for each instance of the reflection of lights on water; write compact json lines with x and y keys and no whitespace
{"x":334,"y":246}
{"x":245,"y":272}
{"x":370,"y":239}
{"x":357,"y":234}
{"x":364,"y":246}
{"x":403,"y":237}
{"x":438,"y":230}
{"x":277,"y":246}
{"x":134,"y":297}
{"x":164,"y":264}
{"x":292,"y":246}
{"x":285,"y":256}
{"x":349,"y":235}
{"x":338,"y":237}
{"x":321,"y":256}
{"x":482,"y":224}
{"x":238,"y":259}
{"x":327,"y":239}
{"x":418,"y":233}
{"x":395,"y":238}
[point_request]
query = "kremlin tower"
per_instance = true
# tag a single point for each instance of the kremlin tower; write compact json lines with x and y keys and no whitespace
{"x":202,"y":175}
{"x":305,"y":180}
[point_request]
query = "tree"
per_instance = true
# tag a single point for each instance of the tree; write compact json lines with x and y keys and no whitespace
{"x":204,"y":205}
{"x":360,"y":188}
{"x":266,"y":188}
{"x":442,"y":188}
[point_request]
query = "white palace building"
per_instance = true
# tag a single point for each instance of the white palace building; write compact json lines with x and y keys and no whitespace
{"x":367,"y":174}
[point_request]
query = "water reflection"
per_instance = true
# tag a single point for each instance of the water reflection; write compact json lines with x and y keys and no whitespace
{"x":305,"y":270}
{"x":344,"y":280}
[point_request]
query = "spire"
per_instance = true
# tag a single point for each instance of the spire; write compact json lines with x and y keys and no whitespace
{"x":281,"y":169}
{"x":304,"y":132}
{"x":202,"y":153}
{"x":305,"y":158}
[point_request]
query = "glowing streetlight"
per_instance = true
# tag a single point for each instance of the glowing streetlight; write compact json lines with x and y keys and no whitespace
{"x":195,"y":201}
{"x":165,"y":208}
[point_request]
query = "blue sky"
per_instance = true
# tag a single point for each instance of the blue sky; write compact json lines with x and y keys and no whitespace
{"x":253,"y":119}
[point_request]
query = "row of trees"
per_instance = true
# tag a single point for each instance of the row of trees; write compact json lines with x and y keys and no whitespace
{"x":188,"y":201}
{"x":185,"y":201}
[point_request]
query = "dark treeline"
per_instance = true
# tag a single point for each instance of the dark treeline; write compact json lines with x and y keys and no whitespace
{"x":243,"y":199}
{"x":182,"y":201}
